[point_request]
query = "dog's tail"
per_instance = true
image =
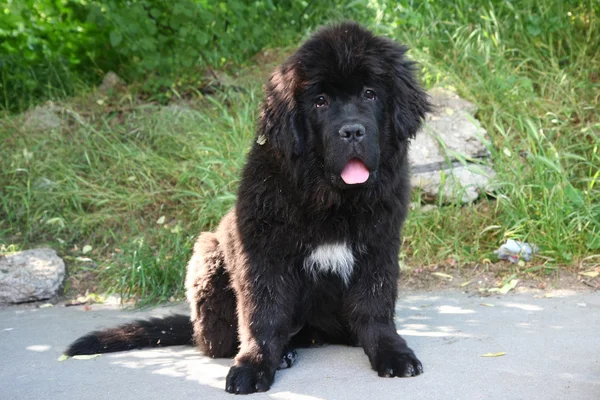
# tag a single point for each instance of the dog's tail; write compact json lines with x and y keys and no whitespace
{"x":173,"y":330}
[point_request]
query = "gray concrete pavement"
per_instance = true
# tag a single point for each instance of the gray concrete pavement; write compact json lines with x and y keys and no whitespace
{"x":552,"y":350}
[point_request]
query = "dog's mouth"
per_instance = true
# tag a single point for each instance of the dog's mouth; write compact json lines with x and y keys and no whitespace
{"x":355,"y":172}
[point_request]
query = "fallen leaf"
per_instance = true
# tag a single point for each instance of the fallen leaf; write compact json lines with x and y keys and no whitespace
{"x":96,"y":298}
{"x":442,"y":275}
{"x":500,"y":354}
{"x":86,"y":249}
{"x":47,"y":305}
{"x":591,"y":274}
{"x":86,"y":356}
{"x":508,"y":286}
{"x":467,"y":283}
{"x":63,"y":357}
{"x":487,"y":305}
{"x":161,"y":220}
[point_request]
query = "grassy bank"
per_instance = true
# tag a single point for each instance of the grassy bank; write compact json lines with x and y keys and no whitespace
{"x":137,"y":182}
{"x":533,"y":69}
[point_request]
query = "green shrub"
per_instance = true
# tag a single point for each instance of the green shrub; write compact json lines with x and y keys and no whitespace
{"x":46,"y":45}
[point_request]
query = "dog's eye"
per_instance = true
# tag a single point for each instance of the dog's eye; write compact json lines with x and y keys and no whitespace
{"x":321,"y":101}
{"x":370,"y":95}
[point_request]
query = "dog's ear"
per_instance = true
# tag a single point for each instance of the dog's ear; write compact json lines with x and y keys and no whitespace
{"x":280,"y":122}
{"x":409,"y":102}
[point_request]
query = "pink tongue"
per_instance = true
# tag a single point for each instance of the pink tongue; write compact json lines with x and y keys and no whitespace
{"x":355,"y":172}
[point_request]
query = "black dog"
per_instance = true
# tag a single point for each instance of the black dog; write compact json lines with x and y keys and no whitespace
{"x":309,"y":254}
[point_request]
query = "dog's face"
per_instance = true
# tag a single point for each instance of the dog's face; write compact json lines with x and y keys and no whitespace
{"x":347,"y":123}
{"x":344,"y":104}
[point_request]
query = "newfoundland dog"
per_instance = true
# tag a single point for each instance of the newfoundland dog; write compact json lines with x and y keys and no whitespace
{"x":309,"y":254}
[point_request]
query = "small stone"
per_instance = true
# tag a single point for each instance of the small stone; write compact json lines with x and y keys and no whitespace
{"x":111,"y":81}
{"x":43,"y":117}
{"x":30,"y":275}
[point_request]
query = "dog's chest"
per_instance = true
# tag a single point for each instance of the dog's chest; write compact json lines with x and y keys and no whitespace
{"x":335,"y":258}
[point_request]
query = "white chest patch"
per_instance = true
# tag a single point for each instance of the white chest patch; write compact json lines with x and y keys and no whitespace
{"x":336,"y":258}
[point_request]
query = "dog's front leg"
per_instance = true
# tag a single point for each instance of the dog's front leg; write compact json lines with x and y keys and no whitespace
{"x":265,"y":311}
{"x":370,"y":306}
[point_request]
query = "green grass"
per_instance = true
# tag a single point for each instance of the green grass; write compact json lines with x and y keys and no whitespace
{"x":106,"y":184}
{"x":532,"y":67}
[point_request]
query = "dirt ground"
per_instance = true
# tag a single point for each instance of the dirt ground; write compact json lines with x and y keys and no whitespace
{"x":480,"y":278}
{"x":485,"y":280}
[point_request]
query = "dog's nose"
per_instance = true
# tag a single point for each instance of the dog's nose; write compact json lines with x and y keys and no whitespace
{"x":352,"y":132}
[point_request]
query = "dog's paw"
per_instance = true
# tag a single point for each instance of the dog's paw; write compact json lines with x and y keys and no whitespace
{"x":399,"y":364}
{"x":248,"y":378}
{"x":288,"y":358}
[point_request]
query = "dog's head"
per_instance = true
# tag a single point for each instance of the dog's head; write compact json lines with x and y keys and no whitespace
{"x":348,"y":98}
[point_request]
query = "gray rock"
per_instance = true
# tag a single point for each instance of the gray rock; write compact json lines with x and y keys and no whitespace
{"x":43,"y":117}
{"x":442,"y":152}
{"x":111,"y":81}
{"x":461,"y":183}
{"x":428,"y":207}
{"x":30,"y":275}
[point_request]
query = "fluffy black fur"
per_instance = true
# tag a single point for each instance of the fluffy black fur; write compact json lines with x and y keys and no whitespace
{"x":250,"y":292}
{"x":154,"y":332}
